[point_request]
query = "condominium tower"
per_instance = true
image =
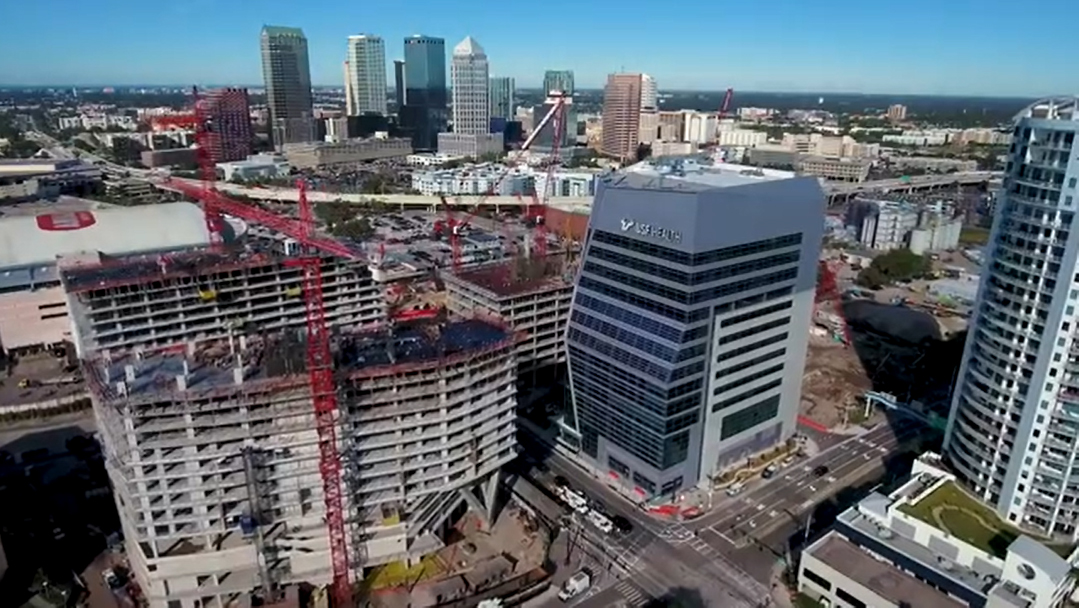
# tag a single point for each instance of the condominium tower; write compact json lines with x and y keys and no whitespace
{"x":621,"y":116}
{"x":649,"y":94}
{"x":502,"y":92}
{"x":688,"y":330}
{"x":424,"y":112}
{"x":232,"y":136}
{"x":287,"y":76}
{"x":399,"y":83}
{"x":558,"y":80}
{"x":1013,"y":434}
{"x":367,"y":75}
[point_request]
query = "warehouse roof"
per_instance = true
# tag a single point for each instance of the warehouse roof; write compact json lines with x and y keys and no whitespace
{"x":40,"y":239}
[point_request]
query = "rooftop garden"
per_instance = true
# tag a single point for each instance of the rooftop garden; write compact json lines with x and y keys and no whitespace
{"x":951,"y":509}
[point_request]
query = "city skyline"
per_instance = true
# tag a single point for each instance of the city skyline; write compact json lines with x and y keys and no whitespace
{"x":866,"y":58}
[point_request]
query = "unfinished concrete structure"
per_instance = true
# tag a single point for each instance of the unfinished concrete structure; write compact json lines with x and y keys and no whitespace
{"x":213,"y":453}
{"x":151,"y":301}
{"x":533,"y":296}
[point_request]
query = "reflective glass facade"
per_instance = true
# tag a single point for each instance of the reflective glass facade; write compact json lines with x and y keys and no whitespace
{"x":424,"y":112}
{"x":683,"y":332}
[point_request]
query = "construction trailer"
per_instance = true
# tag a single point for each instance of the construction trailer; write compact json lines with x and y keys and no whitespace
{"x":213,"y":453}
{"x":530,"y":294}
{"x":155,"y":301}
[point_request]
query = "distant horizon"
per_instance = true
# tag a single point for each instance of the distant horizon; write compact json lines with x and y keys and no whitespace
{"x":10,"y":87}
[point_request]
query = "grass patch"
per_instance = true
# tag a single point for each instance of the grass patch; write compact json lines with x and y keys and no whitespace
{"x":951,"y":509}
{"x":974,"y":236}
{"x":399,"y":574}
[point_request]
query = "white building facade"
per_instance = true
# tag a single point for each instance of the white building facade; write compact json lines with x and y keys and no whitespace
{"x":1013,"y":434}
{"x":366,"y":75}
{"x":649,"y":93}
{"x":470,"y":78}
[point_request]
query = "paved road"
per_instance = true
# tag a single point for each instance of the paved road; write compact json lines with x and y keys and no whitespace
{"x":696,"y":555}
{"x":796,"y":489}
{"x":656,"y":556}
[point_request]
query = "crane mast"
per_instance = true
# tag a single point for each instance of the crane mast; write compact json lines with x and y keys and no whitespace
{"x":319,"y":354}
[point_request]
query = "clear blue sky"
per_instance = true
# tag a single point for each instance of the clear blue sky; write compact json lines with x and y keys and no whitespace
{"x":992,"y":47}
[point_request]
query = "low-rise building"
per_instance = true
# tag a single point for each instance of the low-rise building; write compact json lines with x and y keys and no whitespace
{"x":316,"y":155}
{"x":566,"y":183}
{"x":883,"y":225}
{"x":835,"y":168}
{"x":933,"y":163}
{"x":929,"y":544}
{"x":742,"y":138}
{"x":478,"y":179}
{"x":169,"y":158}
{"x":23,"y":179}
{"x":472,"y":145}
{"x":431,"y":160}
{"x":254,"y":167}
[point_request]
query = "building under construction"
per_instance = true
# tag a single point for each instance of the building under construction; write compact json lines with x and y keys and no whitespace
{"x":152,"y":301}
{"x":533,"y":296}
{"x":213,"y":453}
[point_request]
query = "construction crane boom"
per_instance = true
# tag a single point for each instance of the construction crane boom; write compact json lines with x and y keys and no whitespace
{"x":454,"y":227}
{"x":726,"y":106}
{"x":318,"y":351}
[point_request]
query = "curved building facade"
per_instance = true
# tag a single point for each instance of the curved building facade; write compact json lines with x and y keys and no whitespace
{"x":1013,"y":433}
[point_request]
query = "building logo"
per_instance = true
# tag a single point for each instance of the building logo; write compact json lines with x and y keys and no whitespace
{"x":54,"y":222}
{"x":655,"y":232}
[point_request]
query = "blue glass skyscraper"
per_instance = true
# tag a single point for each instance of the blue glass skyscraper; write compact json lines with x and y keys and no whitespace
{"x":424,"y":112}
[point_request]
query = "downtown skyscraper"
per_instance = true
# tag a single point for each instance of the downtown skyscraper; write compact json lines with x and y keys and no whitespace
{"x":621,"y":116}
{"x":367,"y":75}
{"x":1013,"y":432}
{"x":470,"y":73}
{"x":424,"y":113}
{"x":502,"y":95}
{"x":558,"y":80}
{"x":561,"y":82}
{"x":286,"y":73}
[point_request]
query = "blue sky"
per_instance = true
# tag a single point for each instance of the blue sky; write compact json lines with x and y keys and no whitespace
{"x":991,"y":47}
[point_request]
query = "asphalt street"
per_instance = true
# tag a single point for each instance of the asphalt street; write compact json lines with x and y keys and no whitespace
{"x":659,"y":556}
{"x":655,"y":557}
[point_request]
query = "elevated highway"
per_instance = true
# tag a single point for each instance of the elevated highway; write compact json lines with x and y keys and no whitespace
{"x":835,"y":191}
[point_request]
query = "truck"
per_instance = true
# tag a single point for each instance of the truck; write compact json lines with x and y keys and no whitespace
{"x":576,"y":585}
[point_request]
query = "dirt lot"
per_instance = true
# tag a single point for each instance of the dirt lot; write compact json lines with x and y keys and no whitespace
{"x":834,"y":379}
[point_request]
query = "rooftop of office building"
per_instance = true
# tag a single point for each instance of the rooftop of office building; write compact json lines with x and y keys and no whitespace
{"x":690,"y":175}
{"x":882,"y":578}
{"x":278,"y":361}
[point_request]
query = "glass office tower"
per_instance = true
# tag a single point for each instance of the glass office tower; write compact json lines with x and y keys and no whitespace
{"x":424,"y":112}
{"x":690,"y":320}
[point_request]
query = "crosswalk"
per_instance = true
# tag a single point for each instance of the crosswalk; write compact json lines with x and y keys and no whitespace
{"x":631,"y":594}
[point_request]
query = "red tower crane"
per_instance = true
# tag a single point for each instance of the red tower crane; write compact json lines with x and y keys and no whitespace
{"x":828,"y":291}
{"x":319,"y":353}
{"x":556,"y":118}
{"x":726,"y":104}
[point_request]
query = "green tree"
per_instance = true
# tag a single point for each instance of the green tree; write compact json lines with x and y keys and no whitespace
{"x":893,"y":267}
{"x":335,"y":213}
{"x":358,"y":229}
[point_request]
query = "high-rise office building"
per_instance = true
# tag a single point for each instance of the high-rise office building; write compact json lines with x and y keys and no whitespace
{"x":399,"y":83}
{"x":470,"y":76}
{"x":230,"y":112}
{"x":558,"y":80}
{"x":649,"y":94}
{"x":503,"y":91}
{"x":689,"y":323}
{"x":367,"y":74}
{"x":350,"y":99}
{"x":1013,"y":431}
{"x":287,"y":76}
{"x":424,"y":112}
{"x":621,"y":116}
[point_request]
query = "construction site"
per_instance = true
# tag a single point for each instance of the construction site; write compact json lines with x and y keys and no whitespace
{"x":859,"y":345}
{"x":213,"y":451}
{"x":531,"y":294}
{"x":280,"y":425}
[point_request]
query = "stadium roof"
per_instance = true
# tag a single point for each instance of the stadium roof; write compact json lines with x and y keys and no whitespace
{"x":38,"y":240}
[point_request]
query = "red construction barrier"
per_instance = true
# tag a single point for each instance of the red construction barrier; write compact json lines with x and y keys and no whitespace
{"x":813,"y":424}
